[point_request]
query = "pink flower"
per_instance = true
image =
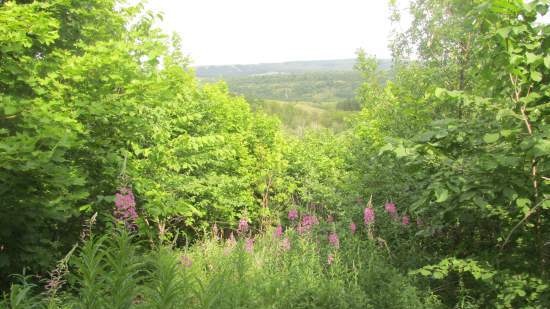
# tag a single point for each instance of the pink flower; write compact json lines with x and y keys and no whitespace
{"x":308,"y":221}
{"x":330,"y":219}
{"x":368,"y":215}
{"x":243,"y":226}
{"x":285,"y":244}
{"x":231,"y":241}
{"x":186,"y":261}
{"x":293,"y":214}
{"x":330,"y":259}
{"x":352,"y":227}
{"x":405,"y":220}
{"x":125,"y":207}
{"x":333,"y":240}
{"x":391,"y":209}
{"x":278,"y":231}
{"x":249,"y":245}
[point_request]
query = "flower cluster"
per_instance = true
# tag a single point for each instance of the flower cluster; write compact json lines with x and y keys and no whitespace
{"x":243,"y":226}
{"x":390,"y":208}
{"x":125,"y":207}
{"x":293,"y":214}
{"x":330,"y":259}
{"x":278,"y":231}
{"x":285,"y":244}
{"x":333,"y":240}
{"x":304,"y":223}
{"x":352,"y":227}
{"x":308,"y":221}
{"x":249,"y":245}
{"x":368,"y":215}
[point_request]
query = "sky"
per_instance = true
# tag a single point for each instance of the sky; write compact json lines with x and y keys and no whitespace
{"x":218,"y":32}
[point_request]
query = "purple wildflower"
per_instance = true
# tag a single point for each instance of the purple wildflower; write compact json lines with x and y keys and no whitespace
{"x":352,"y":227}
{"x":405,"y":220}
{"x":330,"y":259}
{"x":308,"y":221}
{"x":293,"y":214}
{"x":243,"y":226}
{"x":249,"y":245}
{"x":368,"y":215}
{"x":278,"y":231}
{"x":333,"y":240}
{"x":285,"y":244}
{"x":125,"y":206}
{"x":391,"y":209}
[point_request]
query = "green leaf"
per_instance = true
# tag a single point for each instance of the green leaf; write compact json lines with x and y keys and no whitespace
{"x":547,"y":62}
{"x":523,"y":205}
{"x":503,"y":32}
{"x":491,"y":138}
{"x":438,"y":275}
{"x":506,"y":133}
{"x":531,"y":58}
{"x":400,"y":151}
{"x":10,"y":110}
{"x":425,"y":272}
{"x":441,"y":195}
{"x":536,"y":76}
{"x":440,"y":92}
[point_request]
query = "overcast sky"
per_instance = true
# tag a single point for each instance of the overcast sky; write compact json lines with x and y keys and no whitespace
{"x":256,"y":31}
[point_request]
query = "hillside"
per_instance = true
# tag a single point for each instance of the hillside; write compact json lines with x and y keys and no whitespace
{"x":293,"y":67}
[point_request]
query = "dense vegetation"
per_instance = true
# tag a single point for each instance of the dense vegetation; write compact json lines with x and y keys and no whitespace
{"x":124,"y":183}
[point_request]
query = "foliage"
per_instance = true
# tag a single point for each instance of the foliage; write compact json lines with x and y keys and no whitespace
{"x":467,"y":153}
{"x":316,"y":87}
{"x":93,"y":89}
{"x":113,"y":271}
{"x":434,"y":195}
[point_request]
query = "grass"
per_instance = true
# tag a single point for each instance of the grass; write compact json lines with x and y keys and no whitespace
{"x":250,"y":271}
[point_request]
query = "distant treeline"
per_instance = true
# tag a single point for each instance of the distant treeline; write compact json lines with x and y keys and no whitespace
{"x":294,"y":67}
{"x":316,"y":87}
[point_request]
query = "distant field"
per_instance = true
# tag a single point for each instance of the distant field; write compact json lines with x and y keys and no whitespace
{"x":311,"y":81}
{"x":316,"y":87}
{"x":299,"y":116}
{"x":302,"y":94}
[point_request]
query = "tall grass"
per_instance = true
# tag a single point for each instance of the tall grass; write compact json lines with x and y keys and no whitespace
{"x":115,"y":271}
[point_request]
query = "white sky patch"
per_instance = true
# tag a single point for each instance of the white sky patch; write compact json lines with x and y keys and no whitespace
{"x":260,"y":31}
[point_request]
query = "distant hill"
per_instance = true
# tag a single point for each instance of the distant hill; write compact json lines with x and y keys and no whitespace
{"x":317,"y":86}
{"x":293,"y":67}
{"x":318,"y":81}
{"x":302,"y":94}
